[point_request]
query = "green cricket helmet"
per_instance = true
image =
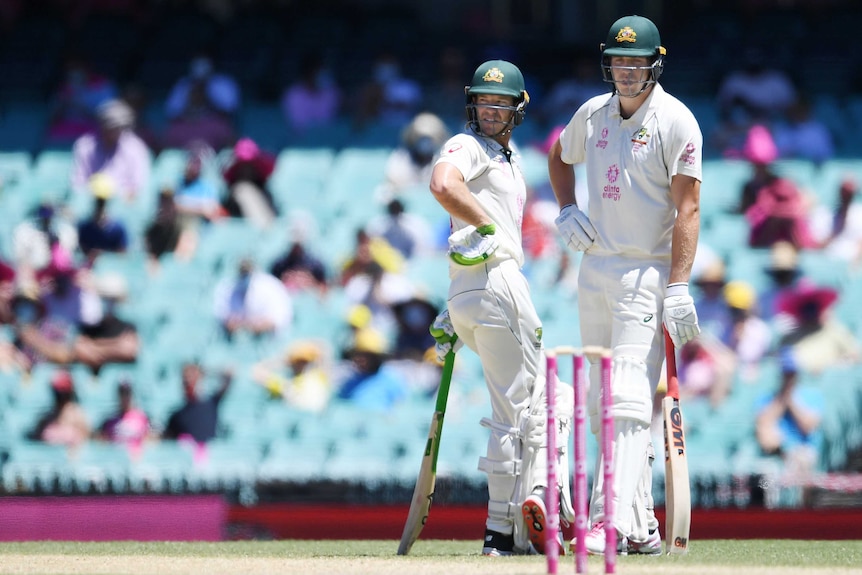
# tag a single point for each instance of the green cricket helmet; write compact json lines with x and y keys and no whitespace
{"x":502,"y":78}
{"x":633,"y":36}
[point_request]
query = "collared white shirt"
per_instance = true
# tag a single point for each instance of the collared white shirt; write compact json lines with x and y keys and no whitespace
{"x":630,"y":164}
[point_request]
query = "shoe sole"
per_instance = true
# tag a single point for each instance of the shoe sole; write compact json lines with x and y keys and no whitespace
{"x":535,"y":516}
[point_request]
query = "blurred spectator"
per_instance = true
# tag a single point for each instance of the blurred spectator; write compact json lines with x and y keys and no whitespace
{"x":110,"y":339}
{"x":748,"y":336}
{"x":196,"y":421}
{"x":706,"y":368}
{"x":389,"y":97}
{"x":788,"y":420}
{"x":380,"y":290}
{"x":299,"y":376}
{"x":115,"y":151}
{"x":819,"y":340}
{"x":409,"y":165}
{"x":66,"y":423}
{"x":784,"y":274}
{"x":203,"y":89}
{"x":76,"y":100}
{"x":164,"y":234}
{"x":314,"y":99}
{"x":196,"y":197}
{"x":36,"y":240}
{"x":135,"y":95}
{"x":760,"y":151}
{"x":247,"y":177}
{"x":713,"y":314}
{"x":202,"y":106}
{"x":300,"y":270}
{"x":129,"y":425}
{"x":367,"y":252}
{"x":368,"y":382}
{"x":99,"y":232}
{"x":253,"y":301}
{"x":778,"y":210}
{"x":801,"y":135}
{"x":8,"y":290}
{"x":409,"y":233}
{"x":412,"y":338}
{"x":838,"y":231}
{"x":754,"y":94}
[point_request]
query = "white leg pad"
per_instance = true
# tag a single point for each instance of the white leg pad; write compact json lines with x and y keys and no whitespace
{"x":631,"y":441}
{"x":503,"y":466}
{"x":630,"y":389}
{"x":644,"y":506}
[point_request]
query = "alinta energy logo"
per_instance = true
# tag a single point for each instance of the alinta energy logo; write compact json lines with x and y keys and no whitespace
{"x":611,"y":191}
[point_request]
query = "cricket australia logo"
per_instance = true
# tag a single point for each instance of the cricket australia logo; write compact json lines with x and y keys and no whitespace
{"x":493,"y":75}
{"x":626,"y":35}
{"x":611,"y":191}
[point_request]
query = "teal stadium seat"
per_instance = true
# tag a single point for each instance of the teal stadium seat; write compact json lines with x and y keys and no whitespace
{"x":33,"y":465}
{"x":299,"y":178}
{"x":161,"y":467}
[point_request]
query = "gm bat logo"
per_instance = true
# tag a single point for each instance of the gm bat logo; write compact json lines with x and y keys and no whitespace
{"x":430,"y":501}
{"x":680,"y":542}
{"x":676,"y":430}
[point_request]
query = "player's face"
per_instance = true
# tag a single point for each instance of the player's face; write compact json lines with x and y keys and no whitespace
{"x":492,"y":113}
{"x":630,"y":74}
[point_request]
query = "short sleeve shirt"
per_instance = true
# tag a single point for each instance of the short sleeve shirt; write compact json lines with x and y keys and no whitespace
{"x":496,"y":180}
{"x":630,"y":164}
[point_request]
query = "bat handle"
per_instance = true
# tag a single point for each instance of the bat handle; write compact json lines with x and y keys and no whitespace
{"x":670,"y":360}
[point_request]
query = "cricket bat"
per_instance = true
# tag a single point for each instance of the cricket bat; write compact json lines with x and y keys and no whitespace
{"x":423,"y":493}
{"x":677,"y":486}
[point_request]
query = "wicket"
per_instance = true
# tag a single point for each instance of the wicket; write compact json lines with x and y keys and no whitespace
{"x":580,"y":454}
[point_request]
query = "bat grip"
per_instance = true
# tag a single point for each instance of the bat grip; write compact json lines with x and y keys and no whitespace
{"x":670,"y":359}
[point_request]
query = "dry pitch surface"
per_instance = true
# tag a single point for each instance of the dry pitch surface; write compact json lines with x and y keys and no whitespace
{"x":427,"y":557}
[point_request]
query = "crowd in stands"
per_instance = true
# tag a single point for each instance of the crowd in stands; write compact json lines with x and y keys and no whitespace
{"x":61,"y":310}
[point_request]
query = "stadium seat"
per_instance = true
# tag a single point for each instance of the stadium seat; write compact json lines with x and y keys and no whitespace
{"x":101,"y":467}
{"x":33,"y":465}
{"x":162,"y":466}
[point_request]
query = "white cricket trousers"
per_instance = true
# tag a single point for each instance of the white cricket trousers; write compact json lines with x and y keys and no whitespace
{"x":493,"y":314}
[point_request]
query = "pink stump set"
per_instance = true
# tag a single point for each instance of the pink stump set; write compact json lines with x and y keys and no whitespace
{"x":580,"y":487}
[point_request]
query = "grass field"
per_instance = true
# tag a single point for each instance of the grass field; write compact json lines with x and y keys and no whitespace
{"x":717,"y":557}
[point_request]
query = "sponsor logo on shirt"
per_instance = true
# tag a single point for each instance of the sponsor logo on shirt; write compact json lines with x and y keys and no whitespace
{"x":603,"y":141}
{"x":688,"y":155}
{"x":454,"y":148}
{"x":611,"y":191}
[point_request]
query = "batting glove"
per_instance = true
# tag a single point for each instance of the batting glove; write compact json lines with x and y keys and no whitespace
{"x":444,"y":334}
{"x":576,"y":228}
{"x":679,"y":316}
{"x":471,"y":246}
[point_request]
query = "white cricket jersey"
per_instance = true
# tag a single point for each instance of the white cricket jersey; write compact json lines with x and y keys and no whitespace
{"x":497,"y":183}
{"x":630,"y":164}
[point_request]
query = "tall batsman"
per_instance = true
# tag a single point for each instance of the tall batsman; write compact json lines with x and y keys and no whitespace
{"x":478,"y":181}
{"x":642,"y":149}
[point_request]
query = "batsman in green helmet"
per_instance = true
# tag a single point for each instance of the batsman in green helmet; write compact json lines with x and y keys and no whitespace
{"x":478,"y":180}
{"x":638,"y":229}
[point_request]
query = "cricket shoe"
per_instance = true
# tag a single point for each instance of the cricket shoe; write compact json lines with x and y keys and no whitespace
{"x":498,"y":544}
{"x":595,"y":543}
{"x":595,"y":539}
{"x":536,"y":518}
{"x":652,"y":546}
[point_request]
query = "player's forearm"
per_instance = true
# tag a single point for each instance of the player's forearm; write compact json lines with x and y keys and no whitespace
{"x":686,"y":230}
{"x":459,"y":203}
{"x":562,"y":177}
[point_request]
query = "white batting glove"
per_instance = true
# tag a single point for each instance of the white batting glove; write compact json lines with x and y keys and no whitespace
{"x":679,"y":315}
{"x":576,"y":228}
{"x":444,"y":334}
{"x":470,"y":246}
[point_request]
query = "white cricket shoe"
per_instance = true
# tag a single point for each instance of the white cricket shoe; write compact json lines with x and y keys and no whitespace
{"x":595,"y":539}
{"x":652,"y":546}
{"x":536,"y":518}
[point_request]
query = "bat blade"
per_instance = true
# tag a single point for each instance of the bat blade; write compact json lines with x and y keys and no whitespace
{"x":677,"y":482}
{"x":423,"y":493}
{"x":677,"y":486}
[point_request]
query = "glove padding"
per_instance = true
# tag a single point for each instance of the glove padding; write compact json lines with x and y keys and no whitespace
{"x":679,"y":316}
{"x":470,"y":246}
{"x":444,"y":334}
{"x":576,"y":228}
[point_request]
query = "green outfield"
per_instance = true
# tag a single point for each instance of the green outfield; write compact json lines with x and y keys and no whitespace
{"x":713,"y":557}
